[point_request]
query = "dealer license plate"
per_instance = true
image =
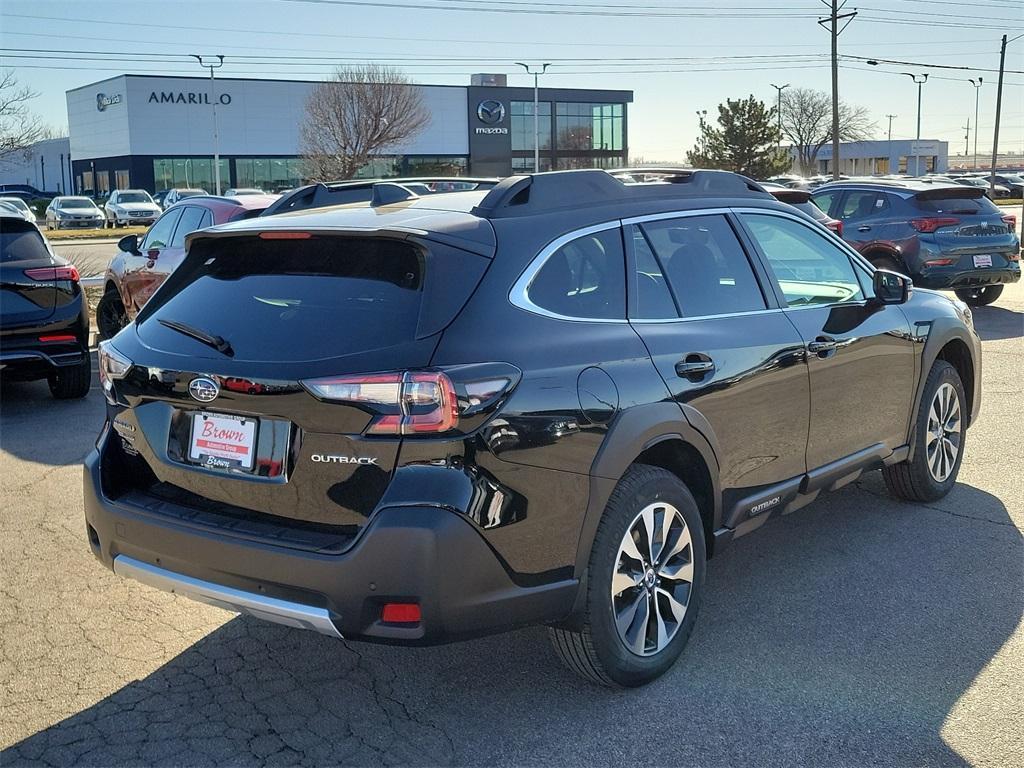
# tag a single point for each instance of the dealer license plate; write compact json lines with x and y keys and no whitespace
{"x":983,"y":260}
{"x":222,"y":441}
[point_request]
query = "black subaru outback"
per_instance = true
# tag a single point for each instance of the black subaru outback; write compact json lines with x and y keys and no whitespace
{"x":425,"y":419}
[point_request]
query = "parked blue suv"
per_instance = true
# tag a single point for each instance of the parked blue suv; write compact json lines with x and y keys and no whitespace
{"x":943,"y":236}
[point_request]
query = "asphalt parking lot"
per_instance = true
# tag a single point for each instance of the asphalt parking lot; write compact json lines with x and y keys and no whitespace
{"x":857,"y":631}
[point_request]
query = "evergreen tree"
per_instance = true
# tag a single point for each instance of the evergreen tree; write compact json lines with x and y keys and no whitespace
{"x":745,"y":141}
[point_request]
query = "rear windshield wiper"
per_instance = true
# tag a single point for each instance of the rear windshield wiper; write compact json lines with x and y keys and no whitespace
{"x":211,"y":340}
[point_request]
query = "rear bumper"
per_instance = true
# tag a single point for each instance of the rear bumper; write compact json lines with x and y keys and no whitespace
{"x":951,"y":278}
{"x":36,"y":363}
{"x":410,"y":553}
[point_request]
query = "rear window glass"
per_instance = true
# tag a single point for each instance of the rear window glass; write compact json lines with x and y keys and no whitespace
{"x":965,"y":204}
{"x":20,"y":241}
{"x":293,"y":300}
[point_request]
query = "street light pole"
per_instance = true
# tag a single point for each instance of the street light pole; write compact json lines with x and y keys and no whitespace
{"x":213,"y":101}
{"x":536,"y":107}
{"x":889,"y":146}
{"x":917,"y":144}
{"x":977,"y":94}
{"x":780,"y":89}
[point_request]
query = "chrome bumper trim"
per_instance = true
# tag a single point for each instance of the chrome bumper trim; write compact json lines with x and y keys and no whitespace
{"x":262,"y":607}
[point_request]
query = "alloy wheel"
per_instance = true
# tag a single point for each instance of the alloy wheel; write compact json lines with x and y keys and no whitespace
{"x":653,"y":579}
{"x":942,"y":442}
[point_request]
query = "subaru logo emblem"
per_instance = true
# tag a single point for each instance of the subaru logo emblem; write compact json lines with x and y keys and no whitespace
{"x":203,"y":389}
{"x":490,"y":111}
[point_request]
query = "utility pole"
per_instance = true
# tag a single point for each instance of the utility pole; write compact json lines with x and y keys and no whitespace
{"x":889,"y":146}
{"x":999,"y":111}
{"x":977,"y":94}
{"x":780,"y":89}
{"x":213,"y":101}
{"x":536,"y":118}
{"x":917,"y":144}
{"x":967,"y":139}
{"x":835,"y":31}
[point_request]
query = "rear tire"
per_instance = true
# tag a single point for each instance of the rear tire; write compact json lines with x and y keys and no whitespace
{"x":940,"y":432}
{"x":888,"y":263}
{"x":72,"y":382}
{"x":981,"y":296}
{"x":631,"y":636}
{"x":111,"y":316}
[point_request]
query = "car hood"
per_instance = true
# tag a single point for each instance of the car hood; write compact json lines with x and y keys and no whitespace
{"x":153,"y":207}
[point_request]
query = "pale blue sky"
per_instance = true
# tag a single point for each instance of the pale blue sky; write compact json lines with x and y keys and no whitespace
{"x":662,"y":120}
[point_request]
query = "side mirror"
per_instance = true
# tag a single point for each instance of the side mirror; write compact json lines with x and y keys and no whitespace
{"x":891,"y":287}
{"x":129,"y":244}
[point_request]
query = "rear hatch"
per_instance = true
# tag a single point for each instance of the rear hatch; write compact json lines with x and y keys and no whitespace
{"x":223,"y":398}
{"x":961,"y":223}
{"x":28,"y":288}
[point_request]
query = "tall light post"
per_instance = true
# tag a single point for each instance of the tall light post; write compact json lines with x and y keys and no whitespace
{"x":977,"y":95}
{"x":213,"y":101}
{"x":888,"y":168}
{"x":917,"y":144}
{"x":536,"y":118}
{"x":780,"y":89}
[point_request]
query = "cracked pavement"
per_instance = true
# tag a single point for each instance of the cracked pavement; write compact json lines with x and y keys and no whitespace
{"x":856,"y":631}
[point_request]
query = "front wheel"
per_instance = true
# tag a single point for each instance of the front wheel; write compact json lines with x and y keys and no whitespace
{"x":111,"y":316}
{"x":645,"y":579}
{"x":939,"y":444}
{"x":981,"y":296}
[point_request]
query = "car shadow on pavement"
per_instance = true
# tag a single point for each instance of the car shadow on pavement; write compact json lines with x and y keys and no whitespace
{"x":843,"y":634}
{"x":995,"y":323}
{"x":35,"y":427}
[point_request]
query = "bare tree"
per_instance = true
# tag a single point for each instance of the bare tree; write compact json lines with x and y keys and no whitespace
{"x":357,"y":114}
{"x":807,"y":123}
{"x":19,"y":127}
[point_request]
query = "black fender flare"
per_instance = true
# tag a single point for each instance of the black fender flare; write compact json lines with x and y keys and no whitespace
{"x":942,"y":331}
{"x":635,"y":430}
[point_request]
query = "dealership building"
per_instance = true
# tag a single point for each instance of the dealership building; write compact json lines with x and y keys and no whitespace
{"x":158,"y":132}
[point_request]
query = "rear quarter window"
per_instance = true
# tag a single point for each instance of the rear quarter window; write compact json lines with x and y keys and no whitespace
{"x":584,"y":279}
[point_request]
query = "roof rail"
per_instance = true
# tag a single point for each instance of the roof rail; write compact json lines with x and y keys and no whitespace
{"x":541,"y":192}
{"x":387,"y":193}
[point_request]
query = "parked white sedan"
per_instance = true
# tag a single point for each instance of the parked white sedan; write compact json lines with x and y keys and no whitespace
{"x":131,"y":206}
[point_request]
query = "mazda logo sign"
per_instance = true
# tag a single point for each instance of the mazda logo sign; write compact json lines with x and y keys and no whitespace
{"x":490,"y":111}
{"x":203,"y":389}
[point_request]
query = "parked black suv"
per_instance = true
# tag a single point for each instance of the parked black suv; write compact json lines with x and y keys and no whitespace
{"x":942,"y":235}
{"x":548,"y":402}
{"x":44,"y":318}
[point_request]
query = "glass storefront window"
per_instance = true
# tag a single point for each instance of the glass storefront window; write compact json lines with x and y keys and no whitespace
{"x":583,"y":126}
{"x":521,"y":119}
{"x":121,"y":180}
{"x":436,"y":166}
{"x":525,"y":164}
{"x":189,"y":172}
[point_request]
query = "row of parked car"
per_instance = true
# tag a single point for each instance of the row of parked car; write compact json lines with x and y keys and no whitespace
{"x":1007,"y":184}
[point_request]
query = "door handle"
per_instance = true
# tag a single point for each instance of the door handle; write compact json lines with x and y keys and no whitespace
{"x":695,"y":367}
{"x":821,"y":346}
{"x":863,"y":228}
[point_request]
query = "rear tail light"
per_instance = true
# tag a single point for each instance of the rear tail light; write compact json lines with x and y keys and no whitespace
{"x":58,"y":337}
{"x":113,"y":367}
{"x":1011,"y":222}
{"x":933,"y":223}
{"x":49,"y":274}
{"x":836,"y":226}
{"x":407,"y":403}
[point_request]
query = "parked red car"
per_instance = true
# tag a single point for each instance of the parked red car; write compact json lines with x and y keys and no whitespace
{"x":140,"y":267}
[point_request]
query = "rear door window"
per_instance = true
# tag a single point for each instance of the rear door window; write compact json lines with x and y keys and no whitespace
{"x":584,"y":279}
{"x":704,"y":265}
{"x":20,"y":241}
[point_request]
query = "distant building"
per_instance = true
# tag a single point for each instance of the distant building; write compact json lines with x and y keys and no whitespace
{"x":45,"y":166}
{"x":870,"y":158}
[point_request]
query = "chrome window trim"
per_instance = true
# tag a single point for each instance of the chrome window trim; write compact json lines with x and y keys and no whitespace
{"x":519,"y":296}
{"x":678,"y":215}
{"x":856,"y":258}
{"x":662,"y":321}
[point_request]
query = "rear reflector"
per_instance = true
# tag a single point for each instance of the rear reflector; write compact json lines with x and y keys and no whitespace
{"x":64,"y":337}
{"x":285,"y":235}
{"x":939,"y":262}
{"x":401,"y":613}
{"x":53,"y":273}
{"x":933,"y":223}
{"x":407,"y":403}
